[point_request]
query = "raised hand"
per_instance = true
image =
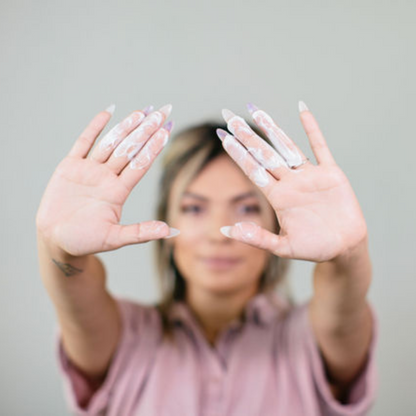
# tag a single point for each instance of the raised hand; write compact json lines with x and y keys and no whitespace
{"x":318,"y":212}
{"x":81,"y":208}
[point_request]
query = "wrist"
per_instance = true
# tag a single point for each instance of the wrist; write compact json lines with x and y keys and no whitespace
{"x":52,"y":258}
{"x":357,"y":257}
{"x":55,"y":252}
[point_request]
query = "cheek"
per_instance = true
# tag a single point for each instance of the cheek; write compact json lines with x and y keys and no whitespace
{"x":269,"y":220}
{"x":187,"y":242}
{"x":185,"y":251}
{"x":256,"y":258}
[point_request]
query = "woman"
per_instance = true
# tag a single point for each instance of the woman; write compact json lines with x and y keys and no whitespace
{"x":222,"y":340}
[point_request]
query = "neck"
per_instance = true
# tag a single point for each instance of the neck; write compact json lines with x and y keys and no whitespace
{"x":215,"y":311}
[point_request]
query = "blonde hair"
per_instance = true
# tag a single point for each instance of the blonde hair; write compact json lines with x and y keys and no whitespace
{"x":189,"y":151}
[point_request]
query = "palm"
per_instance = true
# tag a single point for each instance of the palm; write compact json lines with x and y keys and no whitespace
{"x":87,"y":201}
{"x":81,"y":208}
{"x":318,"y":213}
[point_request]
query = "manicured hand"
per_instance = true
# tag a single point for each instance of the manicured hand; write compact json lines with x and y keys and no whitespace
{"x":318,"y":212}
{"x":81,"y":208}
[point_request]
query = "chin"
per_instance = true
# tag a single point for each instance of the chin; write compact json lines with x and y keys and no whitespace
{"x":223,"y":284}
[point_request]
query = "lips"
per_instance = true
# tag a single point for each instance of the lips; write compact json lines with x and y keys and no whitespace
{"x":221,"y":263}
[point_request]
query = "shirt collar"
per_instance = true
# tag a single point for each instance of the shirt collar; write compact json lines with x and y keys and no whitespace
{"x":262,"y":309}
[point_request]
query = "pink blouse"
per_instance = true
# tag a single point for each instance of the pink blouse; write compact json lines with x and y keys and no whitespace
{"x":268,"y":365}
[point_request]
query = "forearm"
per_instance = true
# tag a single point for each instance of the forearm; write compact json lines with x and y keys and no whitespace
{"x":76,"y":285}
{"x":87,"y":313}
{"x":341,"y":285}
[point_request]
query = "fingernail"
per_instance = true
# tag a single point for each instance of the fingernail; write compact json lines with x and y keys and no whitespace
{"x":110,"y":109}
{"x":166,"y":110}
{"x":302,"y":107}
{"x":252,"y":108}
{"x":221,"y":134}
{"x":247,"y":229}
{"x":169,"y":126}
{"x":226,"y":230}
{"x":148,"y":109}
{"x":173,"y":233}
{"x":227,"y":114}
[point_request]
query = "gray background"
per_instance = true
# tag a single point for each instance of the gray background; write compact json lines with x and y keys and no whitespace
{"x":352,"y":63}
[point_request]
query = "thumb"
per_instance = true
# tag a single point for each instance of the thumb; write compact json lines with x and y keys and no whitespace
{"x":256,"y":236}
{"x":122,"y":235}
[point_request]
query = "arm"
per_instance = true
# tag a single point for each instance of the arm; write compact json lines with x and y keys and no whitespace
{"x":340,"y":316}
{"x":79,"y":216}
{"x":321,"y":221}
{"x":88,"y":317}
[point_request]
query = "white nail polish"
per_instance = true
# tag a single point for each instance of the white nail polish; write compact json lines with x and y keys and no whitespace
{"x":148,"y":109}
{"x":226,"y":230}
{"x":247,"y":229}
{"x":259,"y":177}
{"x":302,"y":107}
{"x":110,"y":109}
{"x":166,"y":110}
{"x":173,"y":233}
{"x":227,"y":114}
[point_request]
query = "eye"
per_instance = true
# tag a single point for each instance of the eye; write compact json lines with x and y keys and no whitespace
{"x":250,"y":209}
{"x":191,"y":209}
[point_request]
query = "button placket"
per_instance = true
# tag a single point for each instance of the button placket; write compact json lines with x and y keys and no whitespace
{"x":215,"y":374}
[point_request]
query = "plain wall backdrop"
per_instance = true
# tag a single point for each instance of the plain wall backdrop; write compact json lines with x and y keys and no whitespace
{"x":352,"y":62}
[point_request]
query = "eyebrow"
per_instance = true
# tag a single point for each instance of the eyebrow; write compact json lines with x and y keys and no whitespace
{"x":235,"y":199}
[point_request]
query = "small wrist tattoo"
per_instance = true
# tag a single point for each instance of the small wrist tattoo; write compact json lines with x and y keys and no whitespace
{"x":66,"y":268}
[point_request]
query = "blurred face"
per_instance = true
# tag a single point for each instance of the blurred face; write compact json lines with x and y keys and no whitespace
{"x":220,"y":195}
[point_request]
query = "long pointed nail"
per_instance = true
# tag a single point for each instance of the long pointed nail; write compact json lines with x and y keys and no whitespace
{"x":226,"y":230}
{"x":252,"y":108}
{"x":168,"y":126}
{"x":302,"y":106}
{"x":221,"y":133}
{"x":148,"y":109}
{"x":110,"y":109}
{"x":166,"y":109}
{"x":227,"y":114}
{"x":173,"y":233}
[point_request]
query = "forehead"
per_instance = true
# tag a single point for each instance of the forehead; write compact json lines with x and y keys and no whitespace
{"x":221,"y":179}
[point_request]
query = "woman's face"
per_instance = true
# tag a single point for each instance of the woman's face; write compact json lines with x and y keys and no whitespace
{"x":220,"y":195}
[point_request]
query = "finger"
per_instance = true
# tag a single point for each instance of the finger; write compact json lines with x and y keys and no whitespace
{"x":256,"y":236}
{"x":316,"y":139}
{"x":123,"y":235}
{"x":120,"y":131}
{"x":260,"y":149}
{"x":283,"y":144}
{"x":87,"y":138}
{"x":141,"y":163}
{"x":256,"y":173}
{"x":131,"y":145}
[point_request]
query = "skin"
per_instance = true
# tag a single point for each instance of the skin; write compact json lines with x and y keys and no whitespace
{"x":217,"y":297}
{"x":79,"y":215}
{"x":321,"y":221}
{"x":81,"y":208}
{"x":319,"y":215}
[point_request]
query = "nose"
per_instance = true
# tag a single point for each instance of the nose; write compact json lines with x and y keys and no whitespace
{"x":213,"y":225}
